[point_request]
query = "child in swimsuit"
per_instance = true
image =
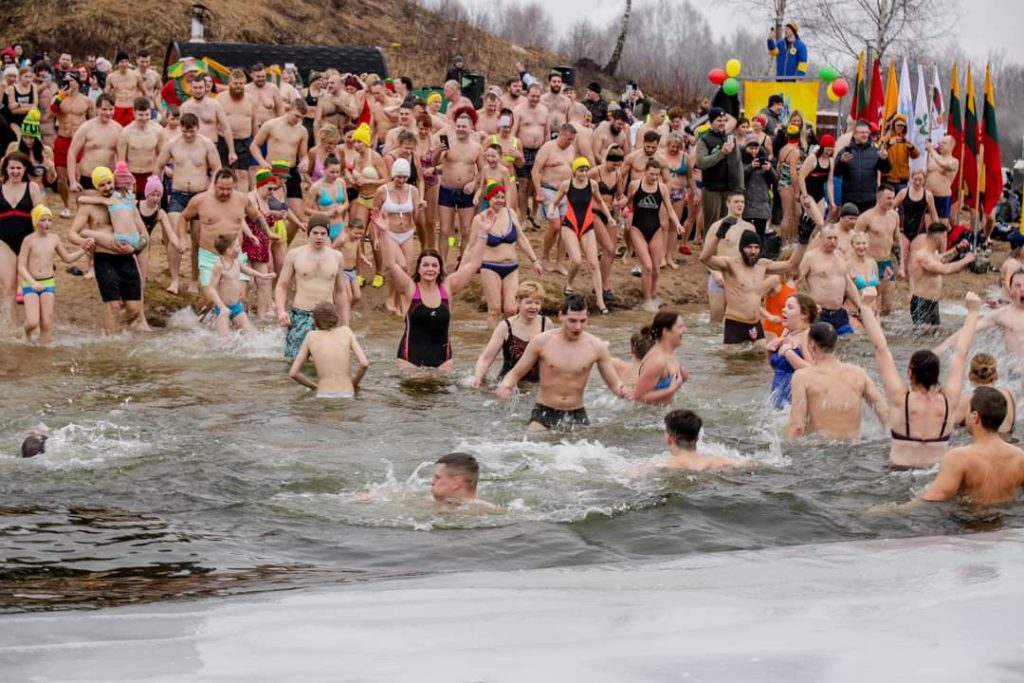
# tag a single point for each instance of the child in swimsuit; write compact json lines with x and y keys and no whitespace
{"x":124,"y":217}
{"x":226,"y":286}
{"x":349,"y":248}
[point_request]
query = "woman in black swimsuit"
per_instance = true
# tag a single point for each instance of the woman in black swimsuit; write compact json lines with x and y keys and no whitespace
{"x":917,"y":211}
{"x":646,"y":197}
{"x":17,"y":197}
{"x":609,"y":184}
{"x":512,"y":336}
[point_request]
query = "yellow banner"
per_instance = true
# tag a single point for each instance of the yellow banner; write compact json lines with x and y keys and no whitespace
{"x":799,"y":96}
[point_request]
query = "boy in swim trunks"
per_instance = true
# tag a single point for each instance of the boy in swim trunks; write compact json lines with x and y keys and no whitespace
{"x":35,"y":266}
{"x":331,"y":347}
{"x":226,"y":285}
{"x":348,"y":244}
{"x":128,"y":226}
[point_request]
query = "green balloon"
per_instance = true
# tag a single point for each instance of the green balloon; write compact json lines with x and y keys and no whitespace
{"x":731,"y":86}
{"x":828,"y":73}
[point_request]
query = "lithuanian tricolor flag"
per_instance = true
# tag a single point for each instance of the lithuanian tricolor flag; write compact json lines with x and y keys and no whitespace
{"x":992,"y":166}
{"x":860,"y":91}
{"x":955,"y":129}
{"x":969,"y":164}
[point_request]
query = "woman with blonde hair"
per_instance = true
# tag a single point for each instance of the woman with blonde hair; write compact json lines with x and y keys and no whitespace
{"x":984,"y":372}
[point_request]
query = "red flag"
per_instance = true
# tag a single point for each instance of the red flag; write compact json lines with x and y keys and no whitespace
{"x":876,"y":104}
{"x":365,"y":116}
{"x":992,"y":166}
{"x":970,"y":160}
{"x":955,"y":129}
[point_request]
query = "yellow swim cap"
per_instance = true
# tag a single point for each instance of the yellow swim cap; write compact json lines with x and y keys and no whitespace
{"x":39,"y":212}
{"x":362,"y":134}
{"x":101,"y":174}
{"x":580,"y":162}
{"x":433,"y":97}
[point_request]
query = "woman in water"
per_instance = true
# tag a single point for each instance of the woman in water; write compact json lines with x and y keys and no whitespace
{"x":498,"y":233}
{"x":425,"y":342}
{"x":330,"y":196}
{"x":984,"y":372}
{"x":788,"y":353}
{"x":512,"y":337}
{"x":584,"y":200}
{"x":680,"y":184}
{"x":863,"y":269}
{"x":921,"y":411}
{"x":609,"y":185}
{"x":917,"y":211}
{"x":431,"y":177}
{"x":647,"y":196}
{"x":661,"y":374}
{"x":17,"y":197}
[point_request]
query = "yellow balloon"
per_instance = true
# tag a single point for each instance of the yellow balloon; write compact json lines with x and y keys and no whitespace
{"x":831,"y":94}
{"x":732,"y":67}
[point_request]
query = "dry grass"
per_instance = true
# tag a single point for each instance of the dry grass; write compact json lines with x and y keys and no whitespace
{"x":416,"y":42}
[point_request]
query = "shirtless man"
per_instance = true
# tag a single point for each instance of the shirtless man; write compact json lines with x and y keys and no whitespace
{"x":330,"y":107}
{"x":151,"y":81}
{"x":459,"y":166}
{"x":195,"y":159}
{"x":117,"y":274}
{"x":682,"y":431}
{"x":882,"y":224}
{"x":1009,"y":319}
{"x":552,"y":167}
{"x":729,"y":230}
{"x":579,"y":117}
{"x":96,"y":140}
{"x":744,"y":281}
{"x":406,"y":122}
{"x":139,"y":145}
{"x":827,"y":394}
{"x":456,"y":100}
{"x":513,"y":95}
{"x":614,"y":131}
{"x":487,"y":116}
{"x":71,"y":109}
{"x":265,"y":96}
{"x":656,"y":123}
{"x":286,"y":138}
{"x":565,"y":356}
{"x":319,"y":273}
{"x":240,"y":111}
{"x":531,"y":127}
{"x":213,"y":122}
{"x":942,"y":168}
{"x":826,"y":274}
{"x":555,"y":101}
{"x":331,"y":347}
{"x":455,"y":479}
{"x":125,"y":84}
{"x":989,"y":471}
{"x":931,"y":261}
{"x":383,"y":110}
{"x":635,"y":164}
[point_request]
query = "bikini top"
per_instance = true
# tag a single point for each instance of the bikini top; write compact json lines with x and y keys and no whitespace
{"x":906,"y":416}
{"x":861,"y":283}
{"x":681,"y":169}
{"x":125,"y":203}
{"x":605,"y":189}
{"x":391,"y":206}
{"x":325,"y":199}
{"x":510,"y":237}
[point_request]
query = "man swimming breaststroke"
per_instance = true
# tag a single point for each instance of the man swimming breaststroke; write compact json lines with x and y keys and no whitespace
{"x":565,"y":356}
{"x":455,"y":479}
{"x":682,"y":430}
{"x":331,"y":347}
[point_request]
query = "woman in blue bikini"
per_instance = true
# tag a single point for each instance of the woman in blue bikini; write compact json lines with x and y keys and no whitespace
{"x":661,"y":374}
{"x":330,"y":196}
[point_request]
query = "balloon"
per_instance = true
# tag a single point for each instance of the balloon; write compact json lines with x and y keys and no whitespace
{"x":732,"y":67}
{"x":717,"y":76}
{"x":828,"y":73}
{"x":832,"y":95}
{"x":840,"y":86}
{"x":731,"y":86}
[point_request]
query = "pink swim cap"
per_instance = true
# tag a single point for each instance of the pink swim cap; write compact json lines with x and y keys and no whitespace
{"x":154,"y":186}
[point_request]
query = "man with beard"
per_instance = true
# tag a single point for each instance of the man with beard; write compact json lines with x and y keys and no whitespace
{"x":513,"y":95}
{"x":71,"y":109}
{"x":487,"y":117}
{"x":635,"y":164}
{"x":240,"y":112}
{"x":124,"y":84}
{"x":328,"y":107}
{"x":531,"y":127}
{"x":720,"y":163}
{"x":555,"y":101}
{"x":286,"y":139}
{"x":826,"y":275}
{"x":213,"y":122}
{"x":96,"y":140}
{"x":614,"y":131}
{"x":139,"y":145}
{"x":265,"y":96}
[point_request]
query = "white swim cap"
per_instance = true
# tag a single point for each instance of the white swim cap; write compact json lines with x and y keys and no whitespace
{"x":400,"y":167}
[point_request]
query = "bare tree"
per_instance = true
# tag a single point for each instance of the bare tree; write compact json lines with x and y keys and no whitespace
{"x":580,"y":41}
{"x":620,"y":43}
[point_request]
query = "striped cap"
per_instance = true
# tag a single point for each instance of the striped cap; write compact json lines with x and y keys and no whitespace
{"x":280,"y":168}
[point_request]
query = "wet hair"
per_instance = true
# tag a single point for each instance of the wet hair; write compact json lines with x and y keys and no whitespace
{"x":573,"y":302}
{"x":824,"y":336}
{"x":419,"y":259}
{"x":224,"y":242}
{"x":990,"y":405}
{"x":924,"y":368}
{"x":1016,"y":274}
{"x":530,"y":289}
{"x":465,"y":465}
{"x":808,"y":307}
{"x":653,"y":163}
{"x":641,"y":343}
{"x":222,"y":174}
{"x":652,"y":136}
{"x":663,"y":320}
{"x":33,"y":445}
{"x":6,"y":164}
{"x":683,"y":427}
{"x":984,"y":369}
{"x":325,"y":316}
{"x":189,"y":120}
{"x":936,"y":228}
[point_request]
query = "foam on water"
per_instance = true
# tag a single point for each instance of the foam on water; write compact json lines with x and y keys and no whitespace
{"x":87,"y":445}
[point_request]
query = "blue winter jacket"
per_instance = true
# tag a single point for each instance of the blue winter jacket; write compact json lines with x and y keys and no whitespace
{"x":790,"y":58}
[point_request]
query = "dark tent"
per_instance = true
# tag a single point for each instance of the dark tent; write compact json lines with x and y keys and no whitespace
{"x":345,"y":58}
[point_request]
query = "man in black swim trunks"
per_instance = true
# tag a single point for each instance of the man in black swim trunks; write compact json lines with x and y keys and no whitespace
{"x":565,"y":356}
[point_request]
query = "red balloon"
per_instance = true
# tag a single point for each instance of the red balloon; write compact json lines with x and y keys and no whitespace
{"x":717,"y":76}
{"x":840,"y":86}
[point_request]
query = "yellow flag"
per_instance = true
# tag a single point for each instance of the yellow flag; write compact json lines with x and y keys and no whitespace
{"x":892,"y":97}
{"x":799,"y":96}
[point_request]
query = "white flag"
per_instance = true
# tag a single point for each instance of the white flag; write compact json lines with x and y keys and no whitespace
{"x":936,"y":108}
{"x":920,"y":127}
{"x":905,"y":104}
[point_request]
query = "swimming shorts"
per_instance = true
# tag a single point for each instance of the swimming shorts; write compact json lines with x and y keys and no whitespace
{"x":208,"y":259}
{"x":124,"y":115}
{"x":454,"y":198}
{"x":178,"y":200}
{"x":529,"y":157}
{"x":244,"y":156}
{"x":293,"y":186}
{"x":86,"y":182}
{"x":234,"y":310}
{"x":882,"y":265}
{"x":335,"y":394}
{"x":924,"y":311}
{"x":47,"y":286}
{"x":252,"y":159}
{"x":117,"y":277}
{"x":350,"y":274}
{"x":61,"y":145}
{"x":737,"y":332}
{"x":943,"y":205}
{"x":713,"y":286}
{"x":553,"y":418}
{"x":549,"y":194}
{"x":301,"y":325}
{"x":838,"y":318}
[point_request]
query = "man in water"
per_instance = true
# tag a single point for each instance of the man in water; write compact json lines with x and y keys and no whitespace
{"x":882,"y":223}
{"x":319,"y":273}
{"x":930,"y":263}
{"x":728,"y":245}
{"x":989,"y":471}
{"x":828,"y":281}
{"x":455,"y":479}
{"x":1009,"y":319}
{"x":827,"y":394}
{"x":565,"y":356}
{"x":34,"y":444}
{"x":331,"y":347}
{"x":682,"y":430}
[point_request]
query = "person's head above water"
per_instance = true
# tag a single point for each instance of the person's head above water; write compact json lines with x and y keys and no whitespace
{"x":987,"y":410}
{"x":34,"y":444}
{"x":682,"y":429}
{"x":923,"y":369}
{"x":455,"y":477}
{"x":325,"y":316}
{"x":823,"y":337}
{"x":573,"y":315}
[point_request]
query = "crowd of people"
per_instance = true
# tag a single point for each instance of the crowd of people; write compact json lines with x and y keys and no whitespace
{"x":420,"y":197}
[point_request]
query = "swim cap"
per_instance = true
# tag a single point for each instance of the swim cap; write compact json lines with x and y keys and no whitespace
{"x":849,"y":209}
{"x":39,"y":212}
{"x":492,"y":189}
{"x":122,"y":176}
{"x":280,"y":168}
{"x":747,"y":238}
{"x":263,"y":176}
{"x":153,"y":186}
{"x":362,"y":134}
{"x":827,"y":141}
{"x":318,"y":220}
{"x":792,"y":131}
{"x":100,"y":175}
{"x":434,"y":97}
{"x":30,"y":126}
{"x":580,"y":162}
{"x":400,"y":168}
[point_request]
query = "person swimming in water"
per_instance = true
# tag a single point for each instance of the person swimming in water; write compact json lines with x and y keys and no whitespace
{"x":455,"y":480}
{"x":682,"y":431}
{"x":34,"y":444}
{"x":661,"y":375}
{"x":331,"y":347}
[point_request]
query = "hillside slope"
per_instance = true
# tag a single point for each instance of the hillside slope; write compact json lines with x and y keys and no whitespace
{"x":417,"y":42}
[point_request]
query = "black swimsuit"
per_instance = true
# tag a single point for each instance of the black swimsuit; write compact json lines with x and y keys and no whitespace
{"x":15,"y":220}
{"x":150,"y":220}
{"x":913,"y":215}
{"x":646,"y":210}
